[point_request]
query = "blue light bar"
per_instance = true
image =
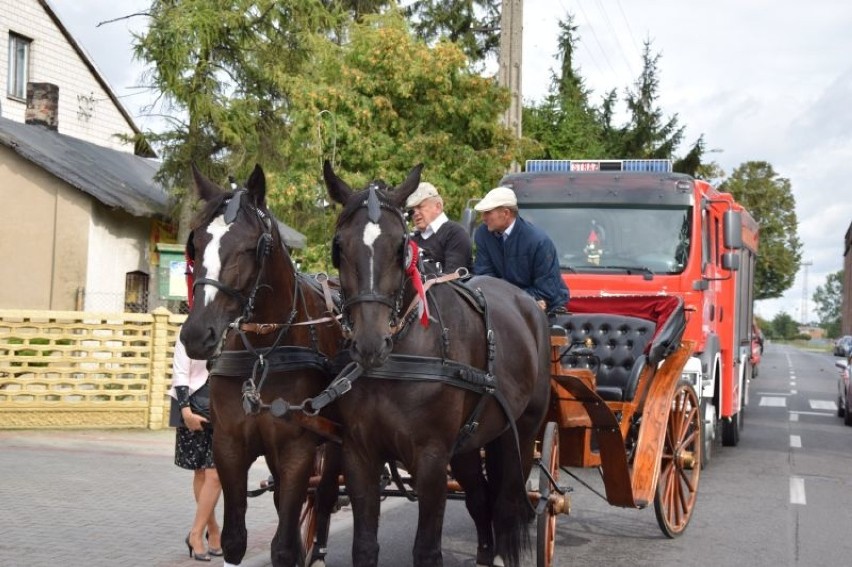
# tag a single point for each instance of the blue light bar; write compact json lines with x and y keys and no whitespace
{"x":565,"y":165}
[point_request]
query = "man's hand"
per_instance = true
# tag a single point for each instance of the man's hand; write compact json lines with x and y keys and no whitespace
{"x":542,"y":304}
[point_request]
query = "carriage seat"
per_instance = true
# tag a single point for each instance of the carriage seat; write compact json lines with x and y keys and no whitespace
{"x":611,"y":346}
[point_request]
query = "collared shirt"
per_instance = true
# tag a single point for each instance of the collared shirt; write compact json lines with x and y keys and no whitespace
{"x":433,"y":226}
{"x":508,"y":231}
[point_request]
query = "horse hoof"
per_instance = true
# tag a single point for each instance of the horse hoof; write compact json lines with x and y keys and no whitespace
{"x":318,"y":563}
{"x":498,"y":562}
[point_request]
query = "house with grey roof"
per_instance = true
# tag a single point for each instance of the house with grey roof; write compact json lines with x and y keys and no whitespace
{"x":85,"y":225}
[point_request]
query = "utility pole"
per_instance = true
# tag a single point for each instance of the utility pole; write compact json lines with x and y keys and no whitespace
{"x":511,"y":60}
{"x":805,"y":265}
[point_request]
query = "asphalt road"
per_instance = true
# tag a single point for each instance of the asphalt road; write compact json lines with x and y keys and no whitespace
{"x":782,"y":497}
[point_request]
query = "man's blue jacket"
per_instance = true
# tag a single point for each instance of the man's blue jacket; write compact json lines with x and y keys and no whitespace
{"x":527,"y":258}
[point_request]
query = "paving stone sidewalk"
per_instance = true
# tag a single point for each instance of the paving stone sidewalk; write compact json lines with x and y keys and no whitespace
{"x":109,"y":498}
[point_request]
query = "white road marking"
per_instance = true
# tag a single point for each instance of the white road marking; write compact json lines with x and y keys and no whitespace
{"x":793,"y":392}
{"x":796,"y":441}
{"x":797,"y":490}
{"x":794,"y":416}
{"x":773,"y":393}
{"x":823,"y":405}
{"x":817,"y":413}
{"x":773,"y":402}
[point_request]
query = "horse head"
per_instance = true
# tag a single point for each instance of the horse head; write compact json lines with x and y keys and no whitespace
{"x":231,"y":245}
{"x":371,"y":251}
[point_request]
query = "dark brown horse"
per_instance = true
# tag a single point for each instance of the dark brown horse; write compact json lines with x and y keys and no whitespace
{"x":269,"y":333}
{"x":477,"y":376}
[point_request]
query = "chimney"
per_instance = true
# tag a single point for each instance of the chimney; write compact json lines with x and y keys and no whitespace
{"x":42,"y":105}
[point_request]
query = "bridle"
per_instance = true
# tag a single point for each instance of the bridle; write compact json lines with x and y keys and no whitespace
{"x":263,"y":251}
{"x":374,"y":205}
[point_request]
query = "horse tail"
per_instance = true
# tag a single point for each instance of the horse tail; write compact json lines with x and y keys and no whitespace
{"x":513,"y":512}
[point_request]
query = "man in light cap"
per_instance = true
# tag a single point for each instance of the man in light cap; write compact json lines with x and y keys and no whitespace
{"x":445,"y":243}
{"x":510,"y":248}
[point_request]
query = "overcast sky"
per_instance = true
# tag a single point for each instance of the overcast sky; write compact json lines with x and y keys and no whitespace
{"x":760,"y":79}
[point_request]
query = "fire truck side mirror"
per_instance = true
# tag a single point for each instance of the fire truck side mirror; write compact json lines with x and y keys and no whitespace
{"x":731,"y":261}
{"x":733,"y":227}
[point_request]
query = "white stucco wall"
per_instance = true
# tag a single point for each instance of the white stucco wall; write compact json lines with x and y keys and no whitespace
{"x":85,"y":109}
{"x":118,"y":244}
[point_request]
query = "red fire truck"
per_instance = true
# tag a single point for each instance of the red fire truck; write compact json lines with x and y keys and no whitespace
{"x":633,"y":227}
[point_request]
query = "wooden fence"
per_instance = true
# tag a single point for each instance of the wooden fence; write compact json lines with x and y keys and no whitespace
{"x":74,"y":369}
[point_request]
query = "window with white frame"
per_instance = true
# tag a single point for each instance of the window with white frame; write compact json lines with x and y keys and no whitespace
{"x":19,"y":59}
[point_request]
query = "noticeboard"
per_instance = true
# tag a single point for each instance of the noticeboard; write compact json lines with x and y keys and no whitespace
{"x":172,"y":272}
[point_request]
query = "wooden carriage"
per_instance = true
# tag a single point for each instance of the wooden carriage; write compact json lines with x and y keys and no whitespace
{"x":619,"y":403}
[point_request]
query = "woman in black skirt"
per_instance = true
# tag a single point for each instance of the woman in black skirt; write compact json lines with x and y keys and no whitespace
{"x":194,"y":451}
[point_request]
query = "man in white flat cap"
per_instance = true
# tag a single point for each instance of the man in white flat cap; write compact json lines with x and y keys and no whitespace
{"x":445,"y":243}
{"x":519,"y":252}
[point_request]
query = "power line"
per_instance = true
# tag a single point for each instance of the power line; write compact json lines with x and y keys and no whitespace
{"x":595,"y":35}
{"x":629,"y":29}
{"x":617,"y":36}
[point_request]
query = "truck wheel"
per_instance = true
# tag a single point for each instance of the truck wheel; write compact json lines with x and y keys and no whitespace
{"x":731,"y":431}
{"x":709,"y":429}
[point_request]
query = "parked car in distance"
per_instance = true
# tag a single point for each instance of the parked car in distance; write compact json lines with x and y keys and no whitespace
{"x":844,"y":390}
{"x":843,"y":346}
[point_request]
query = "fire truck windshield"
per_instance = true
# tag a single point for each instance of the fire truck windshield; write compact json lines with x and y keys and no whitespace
{"x":642,"y":240}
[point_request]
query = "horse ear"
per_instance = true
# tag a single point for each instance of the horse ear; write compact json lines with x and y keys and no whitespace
{"x":407,"y":187}
{"x":338,"y":190}
{"x":256,"y":186}
{"x":204,"y":188}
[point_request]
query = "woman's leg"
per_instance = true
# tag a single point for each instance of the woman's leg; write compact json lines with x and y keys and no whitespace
{"x":213,"y":529}
{"x":208,"y":495}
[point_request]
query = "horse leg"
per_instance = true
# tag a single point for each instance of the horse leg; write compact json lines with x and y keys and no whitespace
{"x":293,"y":470}
{"x":467,"y":470}
{"x":232,"y":464}
{"x":431,"y":486}
{"x":326,"y":501}
{"x":362,"y":473}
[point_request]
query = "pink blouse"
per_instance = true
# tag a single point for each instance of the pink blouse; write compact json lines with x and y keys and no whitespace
{"x":186,"y":371}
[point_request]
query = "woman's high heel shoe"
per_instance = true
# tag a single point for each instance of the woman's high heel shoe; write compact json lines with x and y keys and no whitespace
{"x":215,"y":552}
{"x":193,"y":554}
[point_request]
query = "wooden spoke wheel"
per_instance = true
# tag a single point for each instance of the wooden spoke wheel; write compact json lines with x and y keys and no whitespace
{"x":680,"y":466}
{"x":546,"y":528}
{"x":308,"y":516}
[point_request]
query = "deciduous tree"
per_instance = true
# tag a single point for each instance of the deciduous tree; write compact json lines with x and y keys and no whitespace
{"x":829,"y":301}
{"x":769,"y":198}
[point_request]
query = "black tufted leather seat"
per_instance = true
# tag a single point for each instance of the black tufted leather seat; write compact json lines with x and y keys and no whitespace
{"x":611,"y":346}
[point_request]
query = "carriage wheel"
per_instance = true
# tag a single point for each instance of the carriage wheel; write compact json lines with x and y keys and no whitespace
{"x":680,"y":466}
{"x":546,"y":529}
{"x":308,"y":516}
